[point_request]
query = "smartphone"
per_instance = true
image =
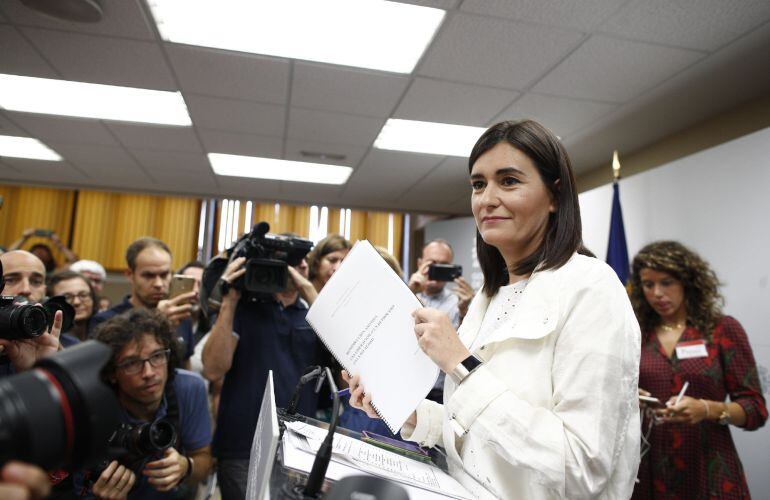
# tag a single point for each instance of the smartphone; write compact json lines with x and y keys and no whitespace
{"x":444,"y":272}
{"x":45,"y":233}
{"x":651,"y":401}
{"x":180,"y":284}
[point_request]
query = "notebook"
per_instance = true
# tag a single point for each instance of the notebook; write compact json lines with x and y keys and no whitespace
{"x":364,"y":317}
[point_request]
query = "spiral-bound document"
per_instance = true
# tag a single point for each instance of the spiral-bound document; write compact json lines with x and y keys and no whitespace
{"x":364,"y":317}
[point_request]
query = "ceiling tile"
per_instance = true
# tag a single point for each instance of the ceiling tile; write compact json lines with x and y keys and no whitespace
{"x":249,"y":189}
{"x":92,"y":156}
{"x":249,"y":76}
{"x":36,"y":171}
{"x":311,"y":194}
{"x":475,"y":49}
{"x":703,"y":25}
{"x":610,"y":69}
{"x":122,"y":18}
{"x":63,"y":129}
{"x":122,"y":177}
{"x":352,"y":154}
{"x":181,"y":181}
{"x":241,"y":144}
{"x":560,"y":114}
{"x":236,"y":115}
{"x":156,"y":137}
{"x":172,"y":162}
{"x":323,"y":126}
{"x":438,"y":4}
{"x":442,"y":186}
{"x":110,"y":61}
{"x":345,"y":90}
{"x":427,"y":99}
{"x":584,"y":15}
{"x":385,"y":175}
{"x":7,"y":127}
{"x":19,"y":57}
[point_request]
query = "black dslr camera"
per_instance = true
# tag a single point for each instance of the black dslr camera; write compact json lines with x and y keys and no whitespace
{"x":20,"y":319}
{"x":267,"y":259}
{"x":135,"y":445}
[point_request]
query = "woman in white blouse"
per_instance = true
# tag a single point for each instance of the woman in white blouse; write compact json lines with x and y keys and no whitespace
{"x":541,"y":393}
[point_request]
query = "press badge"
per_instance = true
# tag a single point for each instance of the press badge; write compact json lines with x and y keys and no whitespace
{"x":691,"y":349}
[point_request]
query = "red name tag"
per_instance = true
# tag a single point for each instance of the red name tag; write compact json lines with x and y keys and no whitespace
{"x":691,"y":349}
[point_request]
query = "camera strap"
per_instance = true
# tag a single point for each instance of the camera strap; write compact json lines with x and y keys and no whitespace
{"x":172,"y":412}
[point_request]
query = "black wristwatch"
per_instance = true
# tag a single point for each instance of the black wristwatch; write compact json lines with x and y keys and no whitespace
{"x":465,"y":368}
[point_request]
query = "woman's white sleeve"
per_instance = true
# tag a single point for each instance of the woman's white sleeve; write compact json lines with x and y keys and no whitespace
{"x":573,"y":447}
{"x":428,"y":431}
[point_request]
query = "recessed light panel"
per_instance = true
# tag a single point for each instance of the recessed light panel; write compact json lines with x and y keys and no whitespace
{"x":372,"y":34}
{"x":428,"y":137}
{"x":26,"y":147}
{"x":279,"y":170}
{"x":91,"y":100}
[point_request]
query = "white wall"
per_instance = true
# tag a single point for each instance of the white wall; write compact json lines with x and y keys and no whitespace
{"x":716,"y":202}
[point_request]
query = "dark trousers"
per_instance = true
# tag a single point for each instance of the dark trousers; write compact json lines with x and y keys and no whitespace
{"x":232,"y":475}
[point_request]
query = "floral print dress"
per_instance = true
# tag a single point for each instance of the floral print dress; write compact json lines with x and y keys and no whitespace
{"x":699,"y":461}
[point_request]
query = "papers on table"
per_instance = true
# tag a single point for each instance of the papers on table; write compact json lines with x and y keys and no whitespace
{"x":351,"y":457}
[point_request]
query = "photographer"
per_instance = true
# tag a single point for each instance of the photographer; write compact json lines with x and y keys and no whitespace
{"x":249,"y":338}
{"x":434,"y":294}
{"x":24,"y":275}
{"x":149,"y":386}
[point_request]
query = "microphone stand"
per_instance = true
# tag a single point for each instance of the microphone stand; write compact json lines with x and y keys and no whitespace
{"x":315,"y":480}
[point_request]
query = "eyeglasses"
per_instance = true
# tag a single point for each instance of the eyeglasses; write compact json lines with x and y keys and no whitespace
{"x":134,"y":366}
{"x":83,"y":296}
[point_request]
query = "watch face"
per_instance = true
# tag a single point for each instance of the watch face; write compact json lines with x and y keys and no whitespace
{"x":471,"y":363}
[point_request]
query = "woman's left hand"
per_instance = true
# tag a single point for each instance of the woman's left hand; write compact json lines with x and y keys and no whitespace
{"x":438,"y":339}
{"x":688,"y":411}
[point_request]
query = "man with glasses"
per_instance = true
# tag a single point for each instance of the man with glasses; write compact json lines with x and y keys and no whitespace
{"x":145,"y":375}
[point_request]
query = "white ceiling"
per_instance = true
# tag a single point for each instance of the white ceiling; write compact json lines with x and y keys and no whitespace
{"x":603,"y":74}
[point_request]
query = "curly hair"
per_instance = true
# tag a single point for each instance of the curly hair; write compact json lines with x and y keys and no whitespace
{"x":702,"y":299}
{"x":131,"y":326}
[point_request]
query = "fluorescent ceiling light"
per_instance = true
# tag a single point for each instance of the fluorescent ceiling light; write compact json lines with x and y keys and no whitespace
{"x":26,"y":147}
{"x":428,"y":137}
{"x":372,"y":34}
{"x":90,"y":100}
{"x":279,"y":170}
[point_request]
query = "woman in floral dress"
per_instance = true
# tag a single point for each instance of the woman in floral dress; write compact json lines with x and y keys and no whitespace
{"x":689,"y":452}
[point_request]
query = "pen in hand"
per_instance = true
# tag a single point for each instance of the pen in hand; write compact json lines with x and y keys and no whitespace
{"x":343,"y":392}
{"x":681,"y":393}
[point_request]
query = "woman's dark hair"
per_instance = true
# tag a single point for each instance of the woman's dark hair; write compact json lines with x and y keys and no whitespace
{"x":563,"y":235}
{"x":131,"y":326}
{"x":72,"y":275}
{"x":701,"y":286}
{"x":50,"y":262}
{"x":331,"y":243}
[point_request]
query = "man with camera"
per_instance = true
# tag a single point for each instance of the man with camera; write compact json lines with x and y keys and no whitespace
{"x":24,"y":276}
{"x":251,"y":336}
{"x":149,"y":273}
{"x":433,"y":293}
{"x":152,"y":393}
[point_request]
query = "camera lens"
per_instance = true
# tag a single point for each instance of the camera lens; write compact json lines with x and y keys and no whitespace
{"x":22,"y":321}
{"x":60,"y":413}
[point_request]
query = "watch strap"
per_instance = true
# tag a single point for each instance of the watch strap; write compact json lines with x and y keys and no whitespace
{"x":464,"y":368}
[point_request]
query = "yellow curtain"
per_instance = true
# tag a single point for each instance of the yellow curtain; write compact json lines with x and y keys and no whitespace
{"x":36,"y":208}
{"x":106,"y":223}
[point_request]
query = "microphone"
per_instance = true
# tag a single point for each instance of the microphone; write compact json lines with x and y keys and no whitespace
{"x":315,"y":480}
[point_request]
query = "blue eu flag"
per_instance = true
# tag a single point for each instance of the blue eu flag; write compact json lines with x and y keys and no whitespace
{"x":617,"y":251}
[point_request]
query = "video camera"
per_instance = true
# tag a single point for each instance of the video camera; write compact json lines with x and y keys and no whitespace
{"x":267,"y":259}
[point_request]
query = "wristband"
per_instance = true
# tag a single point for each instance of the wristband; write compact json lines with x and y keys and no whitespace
{"x":189,"y":467}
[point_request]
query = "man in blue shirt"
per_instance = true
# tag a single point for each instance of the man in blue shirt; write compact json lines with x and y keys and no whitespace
{"x":149,"y":386}
{"x":248,"y":339}
{"x":149,"y":274}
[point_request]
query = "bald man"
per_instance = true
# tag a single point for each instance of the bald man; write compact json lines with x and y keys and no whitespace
{"x":24,"y":275}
